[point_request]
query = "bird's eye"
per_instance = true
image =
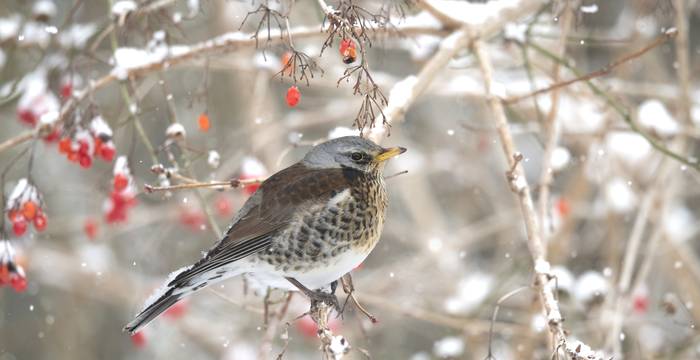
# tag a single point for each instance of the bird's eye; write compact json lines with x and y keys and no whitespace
{"x":357,"y":156}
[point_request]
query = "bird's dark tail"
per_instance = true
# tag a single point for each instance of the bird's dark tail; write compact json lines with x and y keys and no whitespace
{"x":168,"y":299}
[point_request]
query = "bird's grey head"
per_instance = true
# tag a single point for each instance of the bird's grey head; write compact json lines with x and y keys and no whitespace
{"x":350,"y":152}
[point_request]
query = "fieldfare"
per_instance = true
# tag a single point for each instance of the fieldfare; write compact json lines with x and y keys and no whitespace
{"x":304,"y":228}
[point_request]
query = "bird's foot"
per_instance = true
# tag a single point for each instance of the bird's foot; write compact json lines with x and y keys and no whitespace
{"x":318,"y":296}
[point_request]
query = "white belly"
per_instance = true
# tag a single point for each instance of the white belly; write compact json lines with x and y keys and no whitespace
{"x":266,"y":276}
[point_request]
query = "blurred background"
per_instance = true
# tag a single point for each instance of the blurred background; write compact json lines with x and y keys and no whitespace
{"x":618,"y":216}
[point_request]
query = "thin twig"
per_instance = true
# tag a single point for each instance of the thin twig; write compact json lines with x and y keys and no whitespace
{"x":232,"y":184}
{"x":668,"y":35}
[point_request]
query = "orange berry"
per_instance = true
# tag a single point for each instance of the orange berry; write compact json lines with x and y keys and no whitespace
{"x":287,"y":64}
{"x":29,"y":210}
{"x":204,"y":124}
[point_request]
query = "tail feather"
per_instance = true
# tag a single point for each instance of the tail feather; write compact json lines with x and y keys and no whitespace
{"x":153,"y":310}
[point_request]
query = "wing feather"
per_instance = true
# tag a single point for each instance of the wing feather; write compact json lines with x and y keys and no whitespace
{"x":267,"y":212}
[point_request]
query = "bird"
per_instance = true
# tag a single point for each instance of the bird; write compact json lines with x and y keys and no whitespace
{"x":305,"y":227}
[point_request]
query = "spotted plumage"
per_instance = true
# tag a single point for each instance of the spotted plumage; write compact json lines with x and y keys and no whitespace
{"x":313,"y":221}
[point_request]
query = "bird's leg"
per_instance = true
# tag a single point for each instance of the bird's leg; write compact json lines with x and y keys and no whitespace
{"x":349,"y":289}
{"x":318,"y":295}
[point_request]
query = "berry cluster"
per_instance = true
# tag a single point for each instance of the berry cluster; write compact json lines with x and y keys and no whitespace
{"x":36,"y":101}
{"x":11,"y":272}
{"x":86,"y":144}
{"x":123,"y":195}
{"x":24,"y":208}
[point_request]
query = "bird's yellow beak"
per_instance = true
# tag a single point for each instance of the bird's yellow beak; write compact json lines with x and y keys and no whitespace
{"x":389,"y":153}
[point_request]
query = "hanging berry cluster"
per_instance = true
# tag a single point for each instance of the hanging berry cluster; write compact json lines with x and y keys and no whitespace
{"x":123,"y":195}
{"x":24,"y":207}
{"x":11,"y":272}
{"x":37,"y":100}
{"x":85,"y":144}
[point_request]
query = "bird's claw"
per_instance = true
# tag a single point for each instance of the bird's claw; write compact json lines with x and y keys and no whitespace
{"x":326,"y":298}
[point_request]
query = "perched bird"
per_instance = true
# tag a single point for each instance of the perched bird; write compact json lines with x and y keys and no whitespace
{"x":304,"y":228}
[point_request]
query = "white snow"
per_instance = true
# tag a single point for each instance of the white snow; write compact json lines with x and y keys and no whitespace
{"x":654,"y":116}
{"x":565,"y":279}
{"x":76,"y":35}
{"x":123,"y":7}
{"x":9,"y":27}
{"x":252,"y":167}
{"x":589,"y":9}
{"x":542,"y":266}
{"x":18,"y":193}
{"x":121,"y":166}
{"x":628,"y":146}
{"x":471,"y":291}
{"x":35,"y":33}
{"x":44,"y":8}
{"x":590,"y":285}
{"x":619,"y":196}
{"x":580,"y":351}
{"x":99,"y":127}
{"x":49,"y":117}
{"x":214,"y":159}
{"x":577,"y":115}
{"x":538,"y":323}
{"x":175,"y":131}
{"x":125,"y":59}
{"x":341,"y":131}
{"x":515,"y":32}
{"x":449,"y":347}
{"x":680,"y":223}
{"x":339,"y":346}
{"x":401,"y":93}
{"x":560,"y":158}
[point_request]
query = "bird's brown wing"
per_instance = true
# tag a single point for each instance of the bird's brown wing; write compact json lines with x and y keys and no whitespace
{"x":268,"y":211}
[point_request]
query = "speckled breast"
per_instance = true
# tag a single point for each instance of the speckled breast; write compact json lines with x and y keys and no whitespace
{"x":352,"y":219}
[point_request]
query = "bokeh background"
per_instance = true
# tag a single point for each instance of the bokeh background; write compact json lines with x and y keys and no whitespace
{"x":454,"y":242}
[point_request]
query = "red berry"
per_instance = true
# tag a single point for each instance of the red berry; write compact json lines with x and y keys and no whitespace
{"x":204,"y":122}
{"x":108,"y":151}
{"x":40,"y":222}
{"x":19,"y":226}
{"x":84,"y":147}
{"x":64,"y":146}
{"x":98,"y":146}
{"x":18,"y":282}
{"x":4,"y":274}
{"x":563,"y":207}
{"x":348,"y":51}
{"x":27,"y":116}
{"x":138,"y":339}
{"x":13,"y":214}
{"x":29,"y":210}
{"x":66,"y":90}
{"x":73,"y":156}
{"x":85,"y":160}
{"x":640,"y":304}
{"x":120,"y":182}
{"x":293,"y":96}
{"x":90,"y":228}
{"x":192,"y":218}
{"x":53,"y":135}
{"x":223,"y":206}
